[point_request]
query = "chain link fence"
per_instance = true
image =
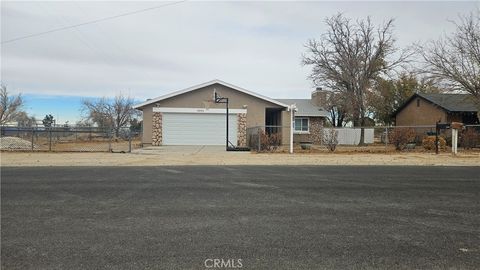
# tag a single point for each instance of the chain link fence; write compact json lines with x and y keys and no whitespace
{"x":260,"y":139}
{"x":409,"y":139}
{"x":267,"y":138}
{"x":424,"y":138}
{"x":68,"y":139}
{"x":379,"y":139}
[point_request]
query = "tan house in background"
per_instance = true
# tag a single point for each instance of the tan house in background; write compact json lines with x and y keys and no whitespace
{"x":427,"y":109}
{"x":190,"y":117}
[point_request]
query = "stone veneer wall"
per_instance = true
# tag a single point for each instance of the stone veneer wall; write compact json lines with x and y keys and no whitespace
{"x":242,"y":130}
{"x":157,"y":128}
{"x":315,"y":129}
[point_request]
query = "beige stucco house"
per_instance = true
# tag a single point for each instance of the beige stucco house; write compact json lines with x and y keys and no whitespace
{"x":191,"y":117}
{"x":428,"y":109}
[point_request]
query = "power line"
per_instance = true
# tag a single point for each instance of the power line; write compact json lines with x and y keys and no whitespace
{"x":91,"y":22}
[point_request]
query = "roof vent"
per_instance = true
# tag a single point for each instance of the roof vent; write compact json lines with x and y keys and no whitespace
{"x":148,"y":99}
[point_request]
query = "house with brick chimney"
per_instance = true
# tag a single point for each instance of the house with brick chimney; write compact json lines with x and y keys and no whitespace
{"x":309,"y":117}
{"x":191,"y":117}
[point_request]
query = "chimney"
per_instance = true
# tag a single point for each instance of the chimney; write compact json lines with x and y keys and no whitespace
{"x":319,"y":97}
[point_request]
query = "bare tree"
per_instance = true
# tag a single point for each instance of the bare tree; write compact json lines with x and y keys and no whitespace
{"x":337,"y":107}
{"x":110,"y":114}
{"x":387,"y":95}
{"x":10,"y":106}
{"x":24,"y":120}
{"x":349,"y":57}
{"x":455,"y":59}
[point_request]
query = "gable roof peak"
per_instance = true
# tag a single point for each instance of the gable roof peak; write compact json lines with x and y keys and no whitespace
{"x":198,"y":86}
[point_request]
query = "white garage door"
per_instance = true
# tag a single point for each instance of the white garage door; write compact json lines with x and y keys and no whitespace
{"x":197,"y":129}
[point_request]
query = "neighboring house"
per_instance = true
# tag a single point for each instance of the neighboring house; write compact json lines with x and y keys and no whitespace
{"x":189,"y":117}
{"x":427,"y":109}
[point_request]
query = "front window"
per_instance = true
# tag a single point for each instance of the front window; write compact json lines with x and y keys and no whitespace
{"x":301,"y":124}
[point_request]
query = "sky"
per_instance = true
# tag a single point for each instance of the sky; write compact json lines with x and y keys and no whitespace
{"x":254,"y":45}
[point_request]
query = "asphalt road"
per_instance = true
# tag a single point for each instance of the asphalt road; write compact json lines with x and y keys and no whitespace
{"x":259,"y":217}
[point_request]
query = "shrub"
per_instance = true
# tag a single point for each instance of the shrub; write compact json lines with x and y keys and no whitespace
{"x":270,"y":142}
{"x":428,"y":143}
{"x":400,"y":137}
{"x":330,"y":139}
{"x":469,"y":138}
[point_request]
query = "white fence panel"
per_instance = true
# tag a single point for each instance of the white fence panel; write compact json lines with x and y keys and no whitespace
{"x":351,"y":136}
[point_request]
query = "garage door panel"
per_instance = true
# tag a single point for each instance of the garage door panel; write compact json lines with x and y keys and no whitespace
{"x":197,"y":129}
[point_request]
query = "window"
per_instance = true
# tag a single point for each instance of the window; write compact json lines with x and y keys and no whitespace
{"x":301,"y":124}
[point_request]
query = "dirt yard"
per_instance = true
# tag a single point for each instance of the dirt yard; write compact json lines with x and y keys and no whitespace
{"x":233,"y":158}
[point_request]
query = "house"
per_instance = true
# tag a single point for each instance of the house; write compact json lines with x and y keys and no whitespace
{"x":190,"y":117}
{"x":427,"y":109}
{"x":309,"y":119}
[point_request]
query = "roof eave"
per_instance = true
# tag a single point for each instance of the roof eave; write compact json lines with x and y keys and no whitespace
{"x":195,"y":87}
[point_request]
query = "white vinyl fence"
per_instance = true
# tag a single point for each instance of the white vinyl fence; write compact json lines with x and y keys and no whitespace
{"x":351,"y":136}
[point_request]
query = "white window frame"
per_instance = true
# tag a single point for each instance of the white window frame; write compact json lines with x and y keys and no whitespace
{"x":295,"y":131}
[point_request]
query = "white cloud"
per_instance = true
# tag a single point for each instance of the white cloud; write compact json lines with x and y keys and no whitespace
{"x":256,"y":45}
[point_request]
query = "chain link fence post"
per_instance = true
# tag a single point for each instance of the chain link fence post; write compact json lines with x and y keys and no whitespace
{"x":110,"y":134}
{"x":130,"y":142}
{"x":33,"y":135}
{"x":49,"y":139}
{"x":386,"y":139}
{"x":259,"y":142}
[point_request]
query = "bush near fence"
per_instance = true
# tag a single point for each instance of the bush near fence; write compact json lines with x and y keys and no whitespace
{"x":401,"y":137}
{"x":470,"y":138}
{"x":428,"y":143}
{"x":265,"y":138}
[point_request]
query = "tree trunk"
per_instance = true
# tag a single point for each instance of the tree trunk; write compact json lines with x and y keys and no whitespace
{"x":362,"y":132}
{"x":339,"y":122}
{"x":362,"y":137}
